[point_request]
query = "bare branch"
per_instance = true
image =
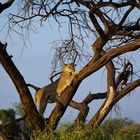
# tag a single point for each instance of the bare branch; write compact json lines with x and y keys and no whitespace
{"x":13,"y":121}
{"x":95,"y":22}
{"x":125,"y":16}
{"x":54,"y":75}
{"x":124,"y":75}
{"x":90,"y":97}
{"x":96,"y":64}
{"x":54,"y":8}
{"x":116,"y":5}
{"x":109,"y":103}
{"x":5,"y":5}
{"x":130,"y":87}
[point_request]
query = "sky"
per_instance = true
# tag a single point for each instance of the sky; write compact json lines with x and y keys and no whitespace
{"x":34,"y":61}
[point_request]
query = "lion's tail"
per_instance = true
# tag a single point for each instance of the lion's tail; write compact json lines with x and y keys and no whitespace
{"x":32,"y":86}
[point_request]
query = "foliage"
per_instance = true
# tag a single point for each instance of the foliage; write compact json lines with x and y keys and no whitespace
{"x":111,"y":129}
{"x":18,"y":107}
{"x":7,"y":115}
{"x":128,"y":135}
{"x":111,"y":125}
{"x":24,"y":124}
{"x":11,"y":129}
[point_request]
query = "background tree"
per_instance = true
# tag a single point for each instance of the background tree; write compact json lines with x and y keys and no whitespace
{"x":113,"y":32}
{"x":9,"y":129}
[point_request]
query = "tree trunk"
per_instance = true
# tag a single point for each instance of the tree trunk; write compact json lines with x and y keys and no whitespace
{"x":102,"y":113}
{"x":24,"y":93}
{"x":63,"y":102}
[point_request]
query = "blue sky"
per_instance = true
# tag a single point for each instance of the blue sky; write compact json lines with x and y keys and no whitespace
{"x":34,"y":63}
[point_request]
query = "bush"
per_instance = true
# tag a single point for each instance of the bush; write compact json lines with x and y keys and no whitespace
{"x":112,"y":125}
{"x":70,"y":133}
{"x":127,"y":135}
{"x":114,"y":129}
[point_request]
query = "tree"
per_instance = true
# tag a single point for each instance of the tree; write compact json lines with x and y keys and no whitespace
{"x":114,"y":33}
{"x":8,"y":129}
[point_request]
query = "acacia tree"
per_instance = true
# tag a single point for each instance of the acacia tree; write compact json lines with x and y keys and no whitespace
{"x":114,"y":32}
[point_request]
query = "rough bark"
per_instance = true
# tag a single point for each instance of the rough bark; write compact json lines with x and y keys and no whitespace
{"x":20,"y":84}
{"x":107,"y":106}
{"x":95,"y":64}
{"x":2,"y":136}
{"x":103,"y":111}
{"x":113,"y":94}
{"x":111,"y":83}
{"x":63,"y":102}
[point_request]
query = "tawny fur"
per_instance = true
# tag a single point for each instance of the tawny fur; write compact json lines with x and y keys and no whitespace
{"x":66,"y":77}
{"x":47,"y":94}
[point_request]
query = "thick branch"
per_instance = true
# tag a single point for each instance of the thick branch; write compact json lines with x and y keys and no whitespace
{"x":61,"y":106}
{"x":75,"y":105}
{"x":111,"y":93}
{"x":130,"y":87}
{"x":95,"y":22}
{"x":85,"y":109}
{"x":125,"y":16}
{"x":90,"y":97}
{"x":5,"y":5}
{"x":110,"y":75}
{"x":95,"y":65}
{"x":98,"y":45}
{"x":24,"y":93}
{"x":118,"y":5}
{"x":111,"y":86}
{"x":110,"y":102}
{"x":135,"y":27}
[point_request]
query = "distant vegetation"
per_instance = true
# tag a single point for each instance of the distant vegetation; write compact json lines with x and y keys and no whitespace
{"x":12,"y":129}
{"x":112,"y":129}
